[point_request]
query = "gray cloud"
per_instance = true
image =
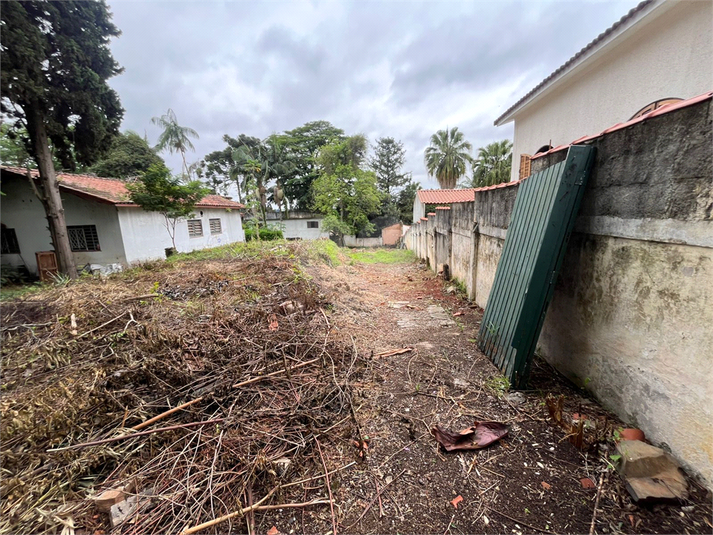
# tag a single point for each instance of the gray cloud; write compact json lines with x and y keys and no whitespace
{"x":401,"y":69}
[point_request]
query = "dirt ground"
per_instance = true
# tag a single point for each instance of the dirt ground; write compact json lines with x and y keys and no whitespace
{"x":405,"y":483}
{"x":86,"y":365}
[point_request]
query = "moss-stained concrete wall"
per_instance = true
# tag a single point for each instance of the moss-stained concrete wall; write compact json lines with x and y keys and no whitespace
{"x":632,"y":314}
{"x":461,"y":258}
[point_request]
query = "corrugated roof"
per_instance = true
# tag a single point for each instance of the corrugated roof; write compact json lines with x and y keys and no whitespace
{"x":579,"y":55}
{"x":111,"y":190}
{"x":666,"y":108}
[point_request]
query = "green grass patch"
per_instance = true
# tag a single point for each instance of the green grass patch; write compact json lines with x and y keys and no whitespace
{"x":13,"y":291}
{"x":380,"y":256}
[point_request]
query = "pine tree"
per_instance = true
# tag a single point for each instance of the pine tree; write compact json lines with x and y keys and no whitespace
{"x":55,"y":64}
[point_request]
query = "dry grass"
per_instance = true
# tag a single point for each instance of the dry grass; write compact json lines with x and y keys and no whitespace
{"x":147,"y":341}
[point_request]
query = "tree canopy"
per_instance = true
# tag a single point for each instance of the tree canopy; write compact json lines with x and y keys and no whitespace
{"x":304,"y":144}
{"x":493,"y":164}
{"x":55,"y":65}
{"x":287,"y":162}
{"x":447,"y":157}
{"x":13,"y":149}
{"x":346,"y":193}
{"x":56,"y":61}
{"x":174,"y":138}
{"x":129,"y":156}
{"x":387,"y":163}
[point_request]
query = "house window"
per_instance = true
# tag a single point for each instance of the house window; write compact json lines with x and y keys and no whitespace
{"x":215,"y":226}
{"x":655,"y":106}
{"x":9,"y":241}
{"x":195,"y":228}
{"x":312,"y":224}
{"x":83,"y":238}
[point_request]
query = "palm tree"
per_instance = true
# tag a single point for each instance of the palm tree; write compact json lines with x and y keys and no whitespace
{"x":493,"y":164}
{"x":174,"y":136}
{"x":447,"y":157}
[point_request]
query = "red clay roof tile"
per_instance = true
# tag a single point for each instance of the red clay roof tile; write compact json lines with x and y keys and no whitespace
{"x":445,"y":196}
{"x":111,"y":190}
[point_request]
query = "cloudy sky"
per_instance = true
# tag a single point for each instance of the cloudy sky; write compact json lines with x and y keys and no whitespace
{"x":399,"y":68}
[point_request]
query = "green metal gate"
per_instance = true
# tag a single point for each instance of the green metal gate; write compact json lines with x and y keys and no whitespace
{"x":543,"y":216}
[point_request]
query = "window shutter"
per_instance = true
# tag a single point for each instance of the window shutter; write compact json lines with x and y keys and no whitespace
{"x":525,"y":160}
{"x":195,"y":228}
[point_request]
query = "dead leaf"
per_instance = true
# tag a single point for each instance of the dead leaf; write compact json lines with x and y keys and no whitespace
{"x":479,"y":436}
{"x":455,"y":501}
{"x":273,"y":531}
{"x":458,"y":314}
{"x":273,"y":323}
{"x":546,"y":486}
{"x":587,"y":483}
{"x":632,"y":520}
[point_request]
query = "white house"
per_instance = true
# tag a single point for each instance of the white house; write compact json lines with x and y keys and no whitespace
{"x":661,"y":50}
{"x":298,"y":225}
{"x":106,"y":230}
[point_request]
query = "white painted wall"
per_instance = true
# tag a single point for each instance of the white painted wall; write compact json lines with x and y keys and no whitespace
{"x":146,"y":238}
{"x":22,"y":211}
{"x":419,"y":209}
{"x":353,"y":241}
{"x":297,"y":229}
{"x":670,"y":56}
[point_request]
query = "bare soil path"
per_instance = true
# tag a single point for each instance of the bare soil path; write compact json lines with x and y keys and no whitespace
{"x":405,"y":483}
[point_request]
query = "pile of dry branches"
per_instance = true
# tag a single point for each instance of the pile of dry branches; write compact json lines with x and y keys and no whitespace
{"x":242,"y":348}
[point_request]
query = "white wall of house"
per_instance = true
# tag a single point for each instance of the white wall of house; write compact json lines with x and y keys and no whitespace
{"x":299,"y":228}
{"x":146,"y":238}
{"x":22,"y":211}
{"x":419,"y":209}
{"x":668,"y":53}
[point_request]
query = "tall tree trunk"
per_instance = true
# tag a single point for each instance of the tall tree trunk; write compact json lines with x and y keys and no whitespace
{"x":49,"y":191}
{"x":185,"y":165}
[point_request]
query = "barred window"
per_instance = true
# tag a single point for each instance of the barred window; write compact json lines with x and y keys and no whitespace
{"x":83,"y":238}
{"x":312,"y":224}
{"x":9,"y":241}
{"x":195,"y":228}
{"x":215,"y":226}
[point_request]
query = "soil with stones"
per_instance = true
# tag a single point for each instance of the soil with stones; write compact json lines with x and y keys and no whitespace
{"x":530,"y":481}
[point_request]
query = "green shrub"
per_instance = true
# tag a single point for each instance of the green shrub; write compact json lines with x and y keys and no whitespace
{"x":266,"y":234}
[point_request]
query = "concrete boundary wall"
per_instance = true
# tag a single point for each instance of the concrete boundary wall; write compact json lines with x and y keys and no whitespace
{"x":353,"y":241}
{"x":632,"y":314}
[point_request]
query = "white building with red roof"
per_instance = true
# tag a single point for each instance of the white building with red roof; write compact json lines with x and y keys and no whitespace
{"x":107,"y":231}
